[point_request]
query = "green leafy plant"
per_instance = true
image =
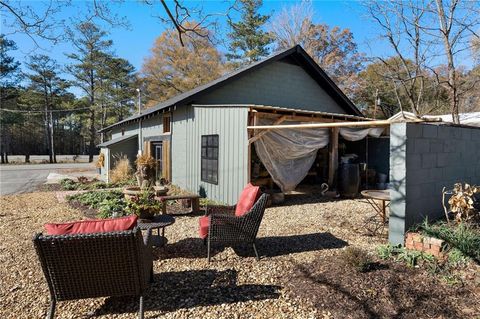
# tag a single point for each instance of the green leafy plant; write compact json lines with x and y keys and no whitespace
{"x":112,"y":207}
{"x":93,"y":199}
{"x":387,"y":251}
{"x":69,"y":184}
{"x":143,"y":205}
{"x":463,"y":236}
{"x":357,"y":258}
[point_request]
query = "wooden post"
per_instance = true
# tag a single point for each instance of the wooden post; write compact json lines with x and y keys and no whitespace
{"x":333,"y":157}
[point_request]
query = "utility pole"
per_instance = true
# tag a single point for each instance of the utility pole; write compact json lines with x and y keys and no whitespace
{"x":376,"y":101}
{"x":139,"y":101}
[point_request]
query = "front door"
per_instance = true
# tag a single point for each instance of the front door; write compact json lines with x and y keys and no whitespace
{"x":157,"y":154}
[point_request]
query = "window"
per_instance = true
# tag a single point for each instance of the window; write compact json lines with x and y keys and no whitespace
{"x":166,"y":123}
{"x":209,"y":169}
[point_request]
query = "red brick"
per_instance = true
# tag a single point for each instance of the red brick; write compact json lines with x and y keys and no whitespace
{"x":417,"y":237}
{"x":437,"y":242}
{"x":426,"y":245}
{"x":418,"y":246}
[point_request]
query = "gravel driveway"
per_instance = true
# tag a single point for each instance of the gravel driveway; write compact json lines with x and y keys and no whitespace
{"x":231,"y":286}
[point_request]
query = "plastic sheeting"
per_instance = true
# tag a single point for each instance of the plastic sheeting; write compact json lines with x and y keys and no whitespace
{"x":288,"y":154}
{"x":356,"y":134}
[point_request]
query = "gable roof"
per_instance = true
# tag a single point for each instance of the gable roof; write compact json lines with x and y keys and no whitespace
{"x":117,"y":140}
{"x":297,"y":53}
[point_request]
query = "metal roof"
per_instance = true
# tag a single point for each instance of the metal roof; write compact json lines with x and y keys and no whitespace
{"x":299,"y":55}
{"x":117,"y":140}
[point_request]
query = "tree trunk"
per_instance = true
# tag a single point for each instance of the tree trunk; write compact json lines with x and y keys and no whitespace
{"x":52,"y":144}
{"x":91,"y":148}
{"x":452,"y":76}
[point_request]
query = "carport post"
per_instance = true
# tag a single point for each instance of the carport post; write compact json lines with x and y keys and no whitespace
{"x":333,"y":157}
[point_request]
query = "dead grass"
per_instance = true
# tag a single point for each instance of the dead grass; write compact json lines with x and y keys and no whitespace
{"x":122,"y":170}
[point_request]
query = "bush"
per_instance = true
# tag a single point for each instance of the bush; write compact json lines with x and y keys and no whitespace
{"x":122,"y":170}
{"x":463,"y":236}
{"x":357,"y":258}
{"x":93,"y":199}
{"x":69,"y":184}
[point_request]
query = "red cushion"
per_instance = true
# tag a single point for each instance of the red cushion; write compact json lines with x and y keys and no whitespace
{"x":247,"y":199}
{"x":93,"y":226}
{"x":204,"y":225}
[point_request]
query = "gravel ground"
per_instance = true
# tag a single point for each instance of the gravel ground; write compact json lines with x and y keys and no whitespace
{"x":233,"y":285}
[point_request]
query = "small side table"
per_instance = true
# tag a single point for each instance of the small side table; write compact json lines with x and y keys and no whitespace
{"x":158,"y":222}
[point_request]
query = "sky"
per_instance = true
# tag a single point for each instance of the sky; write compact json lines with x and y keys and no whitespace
{"x":135,"y":42}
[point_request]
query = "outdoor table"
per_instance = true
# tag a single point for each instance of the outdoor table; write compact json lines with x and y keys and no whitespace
{"x":157,"y":222}
{"x":195,"y":200}
{"x":374,"y":195}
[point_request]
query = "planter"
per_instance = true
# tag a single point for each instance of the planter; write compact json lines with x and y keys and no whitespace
{"x":131,"y":191}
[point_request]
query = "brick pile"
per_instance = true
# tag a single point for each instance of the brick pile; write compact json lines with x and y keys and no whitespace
{"x":429,"y":245}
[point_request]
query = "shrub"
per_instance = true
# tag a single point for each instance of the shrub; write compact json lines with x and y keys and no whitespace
{"x":69,"y":184}
{"x":93,"y":199}
{"x":122,"y":170}
{"x":112,"y":207}
{"x":357,"y":258}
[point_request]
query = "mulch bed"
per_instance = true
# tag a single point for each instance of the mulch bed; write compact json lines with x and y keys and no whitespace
{"x":387,"y":290}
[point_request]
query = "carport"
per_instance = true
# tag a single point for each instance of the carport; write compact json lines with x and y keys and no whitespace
{"x":116,"y":148}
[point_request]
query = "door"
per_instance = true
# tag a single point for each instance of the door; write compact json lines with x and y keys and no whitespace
{"x":157,"y":154}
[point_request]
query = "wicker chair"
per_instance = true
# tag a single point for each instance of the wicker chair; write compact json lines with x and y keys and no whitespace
{"x":95,"y":265}
{"x":227,"y":229}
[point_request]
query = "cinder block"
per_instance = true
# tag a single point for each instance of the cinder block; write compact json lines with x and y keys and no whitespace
{"x":421,"y":146}
{"x":429,"y":160}
{"x":429,"y":130}
{"x":436,"y":146}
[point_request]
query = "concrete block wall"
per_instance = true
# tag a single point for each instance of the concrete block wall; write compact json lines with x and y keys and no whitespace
{"x":424,"y":158}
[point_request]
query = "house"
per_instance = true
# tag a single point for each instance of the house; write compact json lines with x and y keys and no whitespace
{"x":200,"y":138}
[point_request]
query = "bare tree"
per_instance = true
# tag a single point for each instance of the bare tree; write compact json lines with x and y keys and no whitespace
{"x":42,"y":20}
{"x":425,"y":36}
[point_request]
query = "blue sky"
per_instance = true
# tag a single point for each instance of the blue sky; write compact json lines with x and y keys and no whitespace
{"x":134,"y":43}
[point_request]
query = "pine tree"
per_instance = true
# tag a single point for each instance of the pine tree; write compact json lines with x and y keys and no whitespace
{"x":45,"y":80}
{"x":89,"y":59}
{"x":10,"y":78}
{"x":249,"y":42}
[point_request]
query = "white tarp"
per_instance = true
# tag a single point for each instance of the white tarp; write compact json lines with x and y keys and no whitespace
{"x":356,"y":134}
{"x":288,"y":154}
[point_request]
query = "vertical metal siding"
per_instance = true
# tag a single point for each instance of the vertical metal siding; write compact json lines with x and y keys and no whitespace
{"x":231,"y":126}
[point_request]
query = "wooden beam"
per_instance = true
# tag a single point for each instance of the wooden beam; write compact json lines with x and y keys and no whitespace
{"x":333,"y":157}
{"x":322,"y":125}
{"x":257,"y":136}
{"x":300,"y":118}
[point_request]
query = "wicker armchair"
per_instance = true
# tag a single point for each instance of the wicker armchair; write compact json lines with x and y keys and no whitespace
{"x":227,"y":229}
{"x":95,"y":265}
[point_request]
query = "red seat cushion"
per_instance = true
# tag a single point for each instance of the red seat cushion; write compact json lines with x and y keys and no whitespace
{"x":204,"y":225}
{"x":92,"y":226}
{"x":247,"y":199}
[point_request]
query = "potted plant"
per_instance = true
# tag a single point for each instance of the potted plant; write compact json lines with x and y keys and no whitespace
{"x":143,"y":205}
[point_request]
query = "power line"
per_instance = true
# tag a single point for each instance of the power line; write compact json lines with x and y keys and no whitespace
{"x":38,"y":111}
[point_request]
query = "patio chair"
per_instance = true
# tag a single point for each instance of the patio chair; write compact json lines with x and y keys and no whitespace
{"x":78,"y":266}
{"x":221,"y":226}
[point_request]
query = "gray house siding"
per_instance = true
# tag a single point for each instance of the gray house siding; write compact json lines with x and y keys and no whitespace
{"x":115,"y":151}
{"x":276,"y":84}
{"x":231,"y":126}
{"x":424,"y":158}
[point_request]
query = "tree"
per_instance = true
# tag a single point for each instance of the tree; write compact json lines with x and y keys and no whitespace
{"x":89,"y":60}
{"x":334,"y":49}
{"x":172,"y":68}
{"x":434,"y":35}
{"x":10,"y":78}
{"x":44,"y":78}
{"x":249,"y":43}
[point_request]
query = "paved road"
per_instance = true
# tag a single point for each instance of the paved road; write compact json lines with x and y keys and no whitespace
{"x":15,"y":179}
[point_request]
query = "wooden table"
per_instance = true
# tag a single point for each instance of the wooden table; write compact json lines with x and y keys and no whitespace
{"x":382,"y":196}
{"x":195,"y":199}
